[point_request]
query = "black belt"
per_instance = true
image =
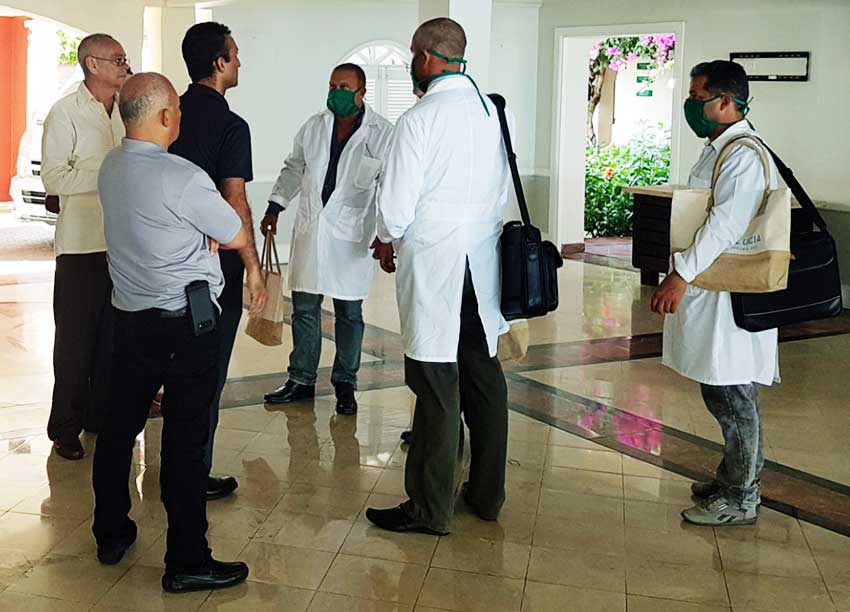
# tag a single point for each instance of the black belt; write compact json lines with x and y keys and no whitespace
{"x":167,"y":314}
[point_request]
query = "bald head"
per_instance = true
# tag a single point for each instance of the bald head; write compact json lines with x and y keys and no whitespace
{"x":150,"y":108}
{"x":442,"y":35}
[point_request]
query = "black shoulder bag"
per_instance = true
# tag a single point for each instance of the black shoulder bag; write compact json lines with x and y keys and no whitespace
{"x":814,"y":285}
{"x":529,"y":263}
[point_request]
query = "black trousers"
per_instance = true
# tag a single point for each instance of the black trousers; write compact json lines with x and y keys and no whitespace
{"x":152,"y":351}
{"x":228,"y":324}
{"x":82,"y":346}
{"x":474,"y":386}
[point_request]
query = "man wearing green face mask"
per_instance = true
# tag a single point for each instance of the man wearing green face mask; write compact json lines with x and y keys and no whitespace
{"x":701,"y":340}
{"x":334,"y":166}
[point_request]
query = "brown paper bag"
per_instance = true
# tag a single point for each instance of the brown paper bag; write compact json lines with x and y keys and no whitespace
{"x":267,"y":327}
{"x":513,"y":345}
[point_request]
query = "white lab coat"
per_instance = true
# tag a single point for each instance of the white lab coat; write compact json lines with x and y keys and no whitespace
{"x":441,"y":201}
{"x":330,"y":252}
{"x":701,"y":341}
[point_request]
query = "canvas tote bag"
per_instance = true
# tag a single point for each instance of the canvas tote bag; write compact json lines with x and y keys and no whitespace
{"x":758,"y":262}
{"x":267,"y":327}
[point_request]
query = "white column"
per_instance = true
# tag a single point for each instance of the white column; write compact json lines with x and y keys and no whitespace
{"x":476,"y":18}
{"x":175,"y":22}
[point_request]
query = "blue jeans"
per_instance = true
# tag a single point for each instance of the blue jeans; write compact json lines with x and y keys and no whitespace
{"x":736,"y":409}
{"x":307,"y":339}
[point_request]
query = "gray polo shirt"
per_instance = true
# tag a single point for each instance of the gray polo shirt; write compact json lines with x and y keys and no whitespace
{"x":158,"y":210}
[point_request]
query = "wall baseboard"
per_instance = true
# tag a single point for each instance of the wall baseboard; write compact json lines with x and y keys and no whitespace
{"x":845,"y":295}
{"x":572,"y":248}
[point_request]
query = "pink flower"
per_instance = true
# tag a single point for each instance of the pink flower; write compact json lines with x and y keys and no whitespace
{"x":646,"y":40}
{"x":614,"y":51}
{"x":632,"y":56}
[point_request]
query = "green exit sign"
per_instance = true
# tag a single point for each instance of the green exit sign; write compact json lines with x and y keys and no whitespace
{"x":643,"y":66}
{"x":644,"y":94}
{"x":643,"y":79}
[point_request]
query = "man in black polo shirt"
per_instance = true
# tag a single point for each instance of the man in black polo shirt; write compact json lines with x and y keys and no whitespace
{"x":219,"y":141}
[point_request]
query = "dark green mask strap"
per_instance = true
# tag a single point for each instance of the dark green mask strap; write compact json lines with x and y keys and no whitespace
{"x":462,"y":62}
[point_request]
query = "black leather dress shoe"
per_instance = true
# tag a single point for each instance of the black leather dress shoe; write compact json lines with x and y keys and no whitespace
{"x":407,"y":436}
{"x":396,"y":519}
{"x":71,"y":450}
{"x":218,"y":575}
{"x":290,"y":392}
{"x":346,"y":404}
{"x":113,"y":553}
{"x":220,"y":487}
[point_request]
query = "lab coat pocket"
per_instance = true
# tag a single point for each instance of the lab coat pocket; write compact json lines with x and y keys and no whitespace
{"x":366,"y":172}
{"x":349,"y":223}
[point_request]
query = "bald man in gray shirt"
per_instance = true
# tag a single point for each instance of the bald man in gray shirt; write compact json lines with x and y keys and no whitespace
{"x":164,"y":221}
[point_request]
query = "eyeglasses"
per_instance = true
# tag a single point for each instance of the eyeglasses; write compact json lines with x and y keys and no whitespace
{"x":118,"y":61}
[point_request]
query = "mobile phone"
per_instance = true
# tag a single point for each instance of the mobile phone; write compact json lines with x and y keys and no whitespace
{"x":201,"y":309}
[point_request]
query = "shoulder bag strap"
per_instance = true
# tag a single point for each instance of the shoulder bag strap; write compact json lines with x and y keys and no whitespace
{"x":798,"y":191}
{"x":756,"y":145}
{"x":499,"y":102}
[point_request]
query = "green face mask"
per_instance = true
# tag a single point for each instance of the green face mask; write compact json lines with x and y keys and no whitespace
{"x":422,"y":84}
{"x":700,"y":124}
{"x":341,"y":102}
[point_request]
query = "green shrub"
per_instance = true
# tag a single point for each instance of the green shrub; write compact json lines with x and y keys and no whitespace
{"x":645,"y":160}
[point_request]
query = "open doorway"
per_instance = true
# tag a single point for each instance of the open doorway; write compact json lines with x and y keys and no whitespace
{"x":617,"y":92}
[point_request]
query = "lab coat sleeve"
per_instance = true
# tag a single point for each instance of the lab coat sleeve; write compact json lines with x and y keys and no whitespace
{"x":401,"y":183}
{"x":59,"y":173}
{"x":737,"y":196}
{"x":288,"y":183}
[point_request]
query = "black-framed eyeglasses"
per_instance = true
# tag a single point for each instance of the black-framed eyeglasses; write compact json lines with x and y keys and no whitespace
{"x":118,"y":61}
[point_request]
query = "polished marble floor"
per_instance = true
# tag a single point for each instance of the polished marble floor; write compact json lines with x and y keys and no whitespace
{"x":602,"y":441}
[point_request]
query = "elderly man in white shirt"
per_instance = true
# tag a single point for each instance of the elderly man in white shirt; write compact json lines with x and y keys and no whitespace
{"x":441,"y":204}
{"x":701,"y":340}
{"x":79,"y":131}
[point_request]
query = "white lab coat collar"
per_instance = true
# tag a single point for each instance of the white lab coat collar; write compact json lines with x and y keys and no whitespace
{"x":736,"y":129}
{"x":449,"y":83}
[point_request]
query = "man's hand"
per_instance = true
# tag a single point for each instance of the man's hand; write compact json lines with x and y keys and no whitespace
{"x":214,"y":245}
{"x":51,"y":204}
{"x":385,"y":254}
{"x":269,"y":224}
{"x":259,"y":293}
{"x":669,"y":294}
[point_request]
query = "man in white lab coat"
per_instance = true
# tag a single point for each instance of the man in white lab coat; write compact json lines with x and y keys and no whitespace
{"x":701,"y":340}
{"x":441,"y":203}
{"x":334,"y":165}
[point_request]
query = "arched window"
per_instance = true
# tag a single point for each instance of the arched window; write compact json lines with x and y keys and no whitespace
{"x":388,"y":87}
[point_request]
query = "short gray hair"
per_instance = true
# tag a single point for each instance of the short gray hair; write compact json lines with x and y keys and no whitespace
{"x":88,"y":46}
{"x":143,"y":95}
{"x":443,"y":35}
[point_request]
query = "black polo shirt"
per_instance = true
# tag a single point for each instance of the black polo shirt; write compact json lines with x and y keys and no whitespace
{"x":212,"y":136}
{"x":217,"y":140}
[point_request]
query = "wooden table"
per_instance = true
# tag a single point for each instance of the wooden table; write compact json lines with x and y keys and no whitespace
{"x":651,"y":228}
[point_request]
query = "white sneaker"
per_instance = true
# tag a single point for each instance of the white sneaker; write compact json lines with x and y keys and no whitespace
{"x":720,"y":512}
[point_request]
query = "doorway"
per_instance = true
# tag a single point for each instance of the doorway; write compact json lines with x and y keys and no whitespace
{"x":574,"y":48}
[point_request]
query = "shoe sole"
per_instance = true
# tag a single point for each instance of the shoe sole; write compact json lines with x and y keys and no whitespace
{"x":120,"y":557}
{"x":295,"y":401}
{"x":203,"y":586}
{"x":734,"y":523}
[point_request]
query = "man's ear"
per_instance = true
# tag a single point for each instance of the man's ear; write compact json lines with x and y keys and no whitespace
{"x":219,"y":64}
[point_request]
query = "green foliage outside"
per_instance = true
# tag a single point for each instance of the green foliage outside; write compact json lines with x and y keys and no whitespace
{"x":67,"y":48}
{"x":644,"y":160}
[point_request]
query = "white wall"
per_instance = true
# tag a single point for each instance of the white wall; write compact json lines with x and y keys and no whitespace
{"x":123,"y":19}
{"x":805,"y":122}
{"x":631,"y":110}
{"x":288,"y":48}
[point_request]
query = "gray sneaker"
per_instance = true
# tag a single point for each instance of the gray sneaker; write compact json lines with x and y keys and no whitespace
{"x":719,"y":512}
{"x":701,"y":491}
